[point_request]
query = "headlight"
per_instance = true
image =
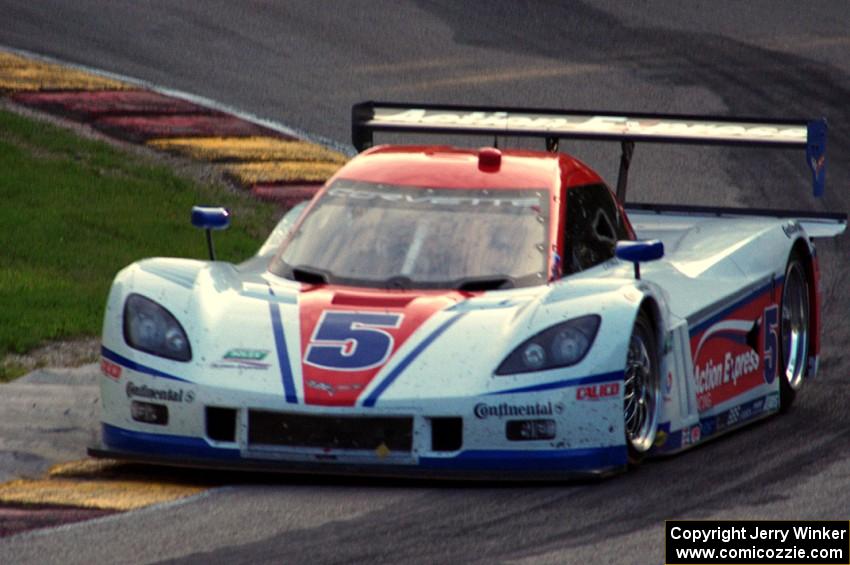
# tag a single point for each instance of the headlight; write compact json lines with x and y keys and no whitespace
{"x":561,"y":345}
{"x":151,"y":328}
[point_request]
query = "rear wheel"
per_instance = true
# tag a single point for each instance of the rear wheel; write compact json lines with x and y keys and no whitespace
{"x":794,"y":331}
{"x":641,"y":390}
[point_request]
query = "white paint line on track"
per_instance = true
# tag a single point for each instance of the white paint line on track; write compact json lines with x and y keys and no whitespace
{"x":279,"y":127}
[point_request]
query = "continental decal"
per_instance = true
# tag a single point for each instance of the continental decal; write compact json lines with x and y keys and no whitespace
{"x":167,"y":395}
{"x":483,"y":411}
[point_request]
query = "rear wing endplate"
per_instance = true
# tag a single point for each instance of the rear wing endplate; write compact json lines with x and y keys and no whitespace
{"x":553,"y":125}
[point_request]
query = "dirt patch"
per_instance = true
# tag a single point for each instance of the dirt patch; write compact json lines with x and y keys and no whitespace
{"x":67,"y":353}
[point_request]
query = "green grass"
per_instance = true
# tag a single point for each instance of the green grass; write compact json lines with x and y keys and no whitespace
{"x":75,"y":211}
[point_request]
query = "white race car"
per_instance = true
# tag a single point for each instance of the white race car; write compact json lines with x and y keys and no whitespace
{"x":473,"y":312}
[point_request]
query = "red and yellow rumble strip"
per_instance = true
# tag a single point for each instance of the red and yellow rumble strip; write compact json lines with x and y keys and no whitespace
{"x":272,"y":165}
{"x":22,"y":74}
{"x":93,"y":484}
{"x":248,"y":149}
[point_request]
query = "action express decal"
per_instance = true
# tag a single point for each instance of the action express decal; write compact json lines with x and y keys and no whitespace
{"x":737,"y":351}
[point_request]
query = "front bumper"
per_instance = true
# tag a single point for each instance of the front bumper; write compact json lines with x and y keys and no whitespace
{"x":586,"y":432}
{"x":180,"y":451}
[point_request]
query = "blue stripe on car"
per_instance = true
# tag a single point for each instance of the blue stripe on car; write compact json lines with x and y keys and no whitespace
{"x":398,"y":369}
{"x":120,"y":439}
{"x":566,"y":460}
{"x":282,"y":355}
{"x":593,"y":379}
{"x":138,"y":367}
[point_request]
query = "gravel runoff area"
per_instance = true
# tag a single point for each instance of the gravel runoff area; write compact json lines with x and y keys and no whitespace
{"x":48,"y":416}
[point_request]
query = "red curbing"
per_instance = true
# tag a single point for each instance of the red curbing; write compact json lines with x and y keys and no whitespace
{"x":21,"y":518}
{"x":142,"y":128}
{"x":89,"y":105}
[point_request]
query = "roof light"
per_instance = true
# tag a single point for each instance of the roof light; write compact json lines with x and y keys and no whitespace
{"x":489,"y":158}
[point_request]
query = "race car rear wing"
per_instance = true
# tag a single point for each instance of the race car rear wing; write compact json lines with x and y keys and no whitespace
{"x":816,"y":224}
{"x":553,"y":125}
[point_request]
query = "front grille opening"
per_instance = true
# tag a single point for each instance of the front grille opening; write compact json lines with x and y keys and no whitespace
{"x":446,"y":434}
{"x":330,"y":432}
{"x":221,"y":424}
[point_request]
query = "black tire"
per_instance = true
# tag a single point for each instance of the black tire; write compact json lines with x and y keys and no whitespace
{"x":641,"y":390}
{"x":794,"y":330}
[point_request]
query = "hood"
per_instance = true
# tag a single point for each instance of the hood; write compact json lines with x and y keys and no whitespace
{"x":344,"y":346}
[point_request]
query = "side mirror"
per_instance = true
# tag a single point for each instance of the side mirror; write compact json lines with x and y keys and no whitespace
{"x":210,"y":218}
{"x":638,"y":252}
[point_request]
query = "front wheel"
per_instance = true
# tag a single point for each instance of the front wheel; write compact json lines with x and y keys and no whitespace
{"x":641,"y":390}
{"x":794,"y":331}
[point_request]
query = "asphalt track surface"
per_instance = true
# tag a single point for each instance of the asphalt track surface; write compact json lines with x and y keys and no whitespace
{"x":305,"y":63}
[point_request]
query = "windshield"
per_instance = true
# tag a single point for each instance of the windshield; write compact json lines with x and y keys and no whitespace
{"x":388,"y":236}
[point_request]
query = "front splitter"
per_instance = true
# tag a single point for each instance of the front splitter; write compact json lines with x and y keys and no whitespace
{"x":376,"y":470}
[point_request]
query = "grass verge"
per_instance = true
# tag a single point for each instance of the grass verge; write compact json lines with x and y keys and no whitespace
{"x":74,"y":211}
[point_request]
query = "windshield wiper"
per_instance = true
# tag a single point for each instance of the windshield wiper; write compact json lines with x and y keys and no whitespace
{"x":310,"y":275}
{"x":492,"y":282}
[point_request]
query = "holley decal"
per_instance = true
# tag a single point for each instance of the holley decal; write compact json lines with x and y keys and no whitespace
{"x":242,"y":358}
